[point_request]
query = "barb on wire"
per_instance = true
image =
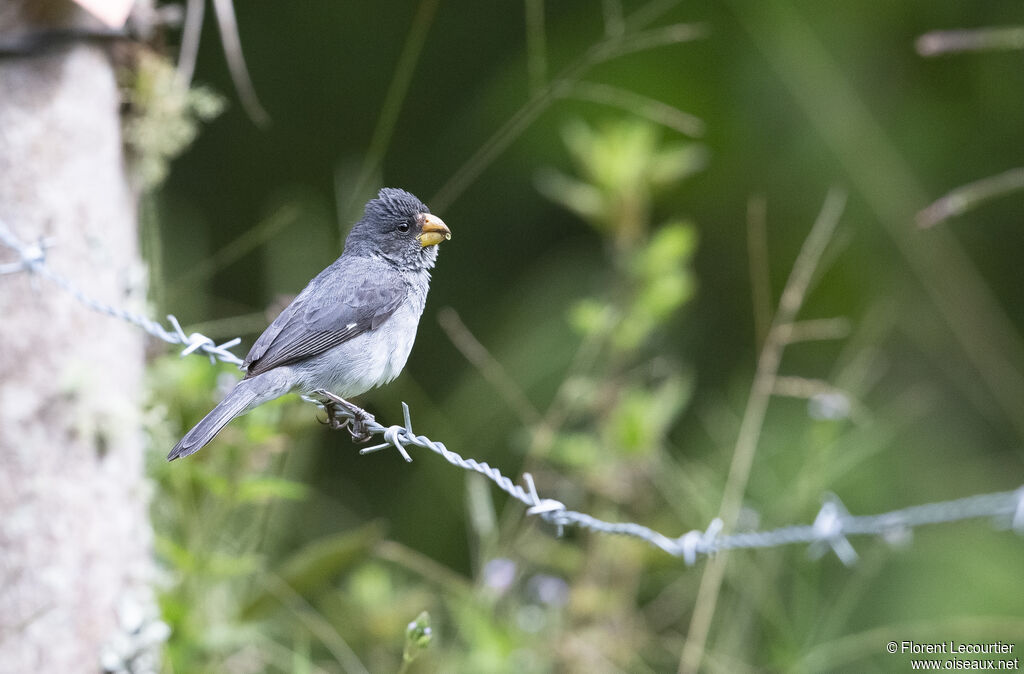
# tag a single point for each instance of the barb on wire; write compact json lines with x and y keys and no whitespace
{"x":32,"y":259}
{"x":830,"y":530}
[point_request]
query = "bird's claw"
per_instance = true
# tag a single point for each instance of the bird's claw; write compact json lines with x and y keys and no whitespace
{"x":359,"y":432}
{"x":356,"y":425}
{"x":332,"y":408}
{"x":333,"y":421}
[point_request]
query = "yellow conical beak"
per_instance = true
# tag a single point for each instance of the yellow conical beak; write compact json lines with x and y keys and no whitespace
{"x":433,"y":230}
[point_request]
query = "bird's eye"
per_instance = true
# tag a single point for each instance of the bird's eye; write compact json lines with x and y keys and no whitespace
{"x":403,"y":226}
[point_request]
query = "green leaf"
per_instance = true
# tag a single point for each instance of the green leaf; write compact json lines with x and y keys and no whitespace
{"x":590,"y":316}
{"x":575,"y":449}
{"x":664,"y":295}
{"x":643,"y":417}
{"x":677,"y":162}
{"x":581,"y":198}
{"x":671,"y":246}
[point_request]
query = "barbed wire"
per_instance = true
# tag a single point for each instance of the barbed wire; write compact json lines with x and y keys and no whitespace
{"x":830,"y":530}
{"x":32,"y":258}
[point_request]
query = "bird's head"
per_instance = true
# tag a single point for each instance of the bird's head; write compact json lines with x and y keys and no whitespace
{"x":399,"y":227}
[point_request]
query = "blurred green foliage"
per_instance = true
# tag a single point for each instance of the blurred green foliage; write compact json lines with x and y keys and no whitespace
{"x":603,"y":264}
{"x":162,"y":115}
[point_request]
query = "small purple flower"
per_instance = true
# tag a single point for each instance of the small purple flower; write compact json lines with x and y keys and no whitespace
{"x":499,"y":574}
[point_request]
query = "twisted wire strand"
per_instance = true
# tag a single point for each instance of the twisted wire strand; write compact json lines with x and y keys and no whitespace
{"x":32,"y":258}
{"x":829,"y":531}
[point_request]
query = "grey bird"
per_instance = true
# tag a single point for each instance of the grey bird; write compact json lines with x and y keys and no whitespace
{"x":352,"y":328}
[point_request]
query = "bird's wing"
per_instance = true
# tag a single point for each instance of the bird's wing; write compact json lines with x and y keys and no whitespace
{"x":336,"y":306}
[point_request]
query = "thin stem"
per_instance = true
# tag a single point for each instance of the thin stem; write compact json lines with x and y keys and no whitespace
{"x":190,"y":32}
{"x":648,"y":39}
{"x":315,"y":622}
{"x":244,"y":243}
{"x":652,"y":109}
{"x":560,"y":408}
{"x":802,"y":387}
{"x":387,"y":118}
{"x":614,"y":25}
{"x":966,"y":197}
{"x":536,"y":45}
{"x":228,"y":26}
{"x":608,"y":48}
{"x":489,"y":366}
{"x":760,"y":272}
{"x":891,"y":190}
{"x":647,"y":14}
{"x":423,"y":566}
{"x":820,"y":329}
{"x":753,"y":418}
{"x":940,"y":42}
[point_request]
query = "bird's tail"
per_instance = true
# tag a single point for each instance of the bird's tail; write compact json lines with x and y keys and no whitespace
{"x":241,"y":399}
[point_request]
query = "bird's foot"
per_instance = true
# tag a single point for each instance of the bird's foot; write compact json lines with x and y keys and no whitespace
{"x":333,"y":409}
{"x":356,"y":425}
